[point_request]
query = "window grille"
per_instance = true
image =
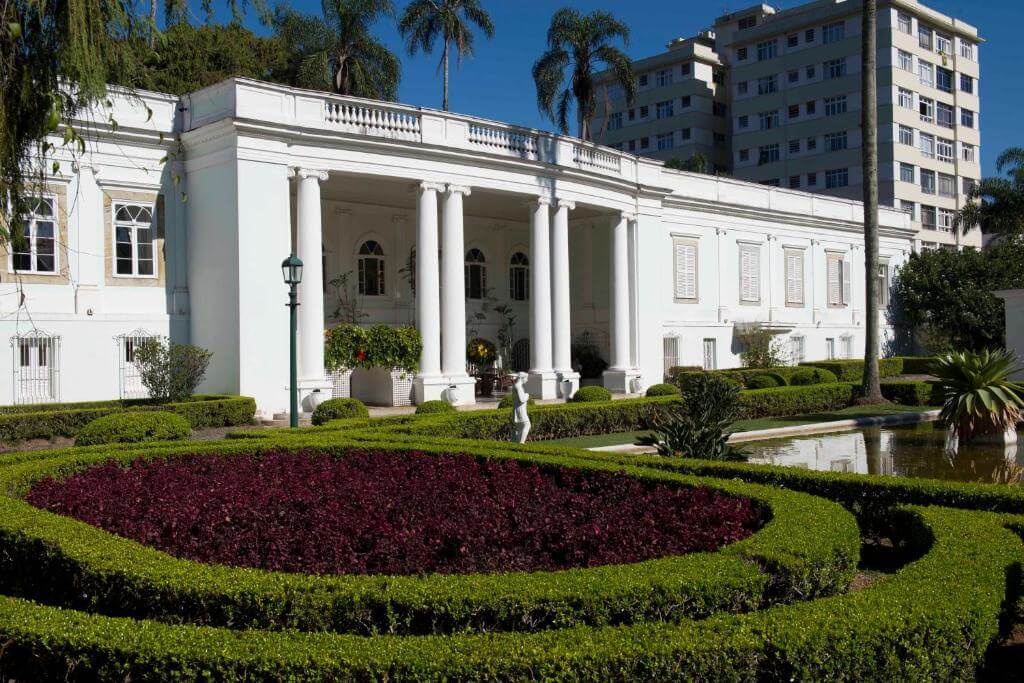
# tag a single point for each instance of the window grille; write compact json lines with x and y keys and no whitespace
{"x":36,"y":368}
{"x":129,"y":379}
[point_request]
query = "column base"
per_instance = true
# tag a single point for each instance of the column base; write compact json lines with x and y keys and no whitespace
{"x":620,"y":381}
{"x":542,"y":384}
{"x":313,"y":392}
{"x":438,"y":388}
{"x":568,"y":383}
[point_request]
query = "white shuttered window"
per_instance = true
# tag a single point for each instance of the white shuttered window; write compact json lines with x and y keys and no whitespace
{"x":794,"y":277}
{"x":750,"y":273}
{"x":839,"y":285}
{"x":685,"y":269}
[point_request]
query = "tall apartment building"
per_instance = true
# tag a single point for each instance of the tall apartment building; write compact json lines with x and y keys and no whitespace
{"x":792,"y":95}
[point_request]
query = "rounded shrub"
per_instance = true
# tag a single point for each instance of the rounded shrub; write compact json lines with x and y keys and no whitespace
{"x":134,"y":427}
{"x":765,"y":381}
{"x":663,"y":390}
{"x":339,"y":409}
{"x":434,"y":408}
{"x":591,"y":395}
{"x":807,"y":376}
{"x":508,"y":400}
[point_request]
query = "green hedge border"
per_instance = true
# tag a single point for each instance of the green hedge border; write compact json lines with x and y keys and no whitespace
{"x":809,"y":547}
{"x":18,"y":423}
{"x":932,"y":620}
{"x":850,"y":370}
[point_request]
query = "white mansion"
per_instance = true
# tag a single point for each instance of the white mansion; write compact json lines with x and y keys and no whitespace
{"x":175,"y":222}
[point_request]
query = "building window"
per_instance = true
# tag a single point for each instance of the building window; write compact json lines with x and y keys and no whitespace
{"x":663,"y":77}
{"x":767,"y":50}
{"x":944,"y":150}
{"x":812,"y":144}
{"x":907,"y":172}
{"x":838,"y":273}
{"x":835,"y":105}
{"x":35,"y":249}
{"x":744,"y":155}
{"x":718,"y":109}
{"x":685,"y":253}
{"x":793,"y":75}
{"x":476,"y":275}
{"x":830,"y":348}
{"x":943,"y":44}
{"x":768,"y":119}
{"x":793,"y":39}
{"x":134,"y":241}
{"x":371,"y":269}
{"x":947,"y":185}
{"x":847,"y":341}
{"x":906,"y":61}
{"x":741,"y":88}
{"x":835,"y":68}
{"x":926,"y":73}
{"x":967,"y":50}
{"x":36,"y":368}
{"x":686,"y":133}
{"x":943,"y":79}
{"x":810,"y":107}
{"x":968,"y":186}
{"x":967,"y":152}
{"x":741,"y":54}
{"x":809,"y":71}
{"x":685,"y":101}
{"x":909,"y":208}
{"x":797,"y":350}
{"x":767,"y":85}
{"x":833,"y":33}
{"x":926,"y":106}
{"x":794,"y":146}
{"x":129,"y":380}
{"x":927,"y":217}
{"x":927,"y":181}
{"x":670,"y":353}
{"x":883,"y":285}
{"x":615,"y":121}
{"x":771,"y":182}
{"x":966,"y":118}
{"x":906,"y":135}
{"x":924,"y":36}
{"x":710,"y":360}
{"x":809,"y":35}
{"x":794,"y":111}
{"x":794,"y":277}
{"x":519,"y":277}
{"x":927,"y":144}
{"x":743,"y":121}
{"x":645,"y":142}
{"x":966,"y":84}
{"x":747,"y":22}
{"x":750,"y":274}
{"x":631,"y":145}
{"x":946,"y":217}
{"x":664,"y":110}
{"x":645,"y":111}
{"x":944,"y":114}
{"x":767,"y":154}
{"x":684,"y":69}
{"x":906,"y":98}
{"x":642,"y":80}
{"x":812,"y":179}
{"x":835,"y":141}
{"x":905,"y":23}
{"x":839,"y":177}
{"x":666,"y":141}
{"x":794,"y":182}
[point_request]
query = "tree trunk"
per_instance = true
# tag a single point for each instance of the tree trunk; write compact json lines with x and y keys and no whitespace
{"x":152,"y":23}
{"x":871,"y":390}
{"x":446,"y":73}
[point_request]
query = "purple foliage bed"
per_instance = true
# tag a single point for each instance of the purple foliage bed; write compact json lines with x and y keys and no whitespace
{"x":386,"y":513}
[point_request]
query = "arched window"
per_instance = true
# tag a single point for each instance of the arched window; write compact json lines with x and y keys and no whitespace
{"x":476,"y":274}
{"x":371,"y":269}
{"x":519,"y":277}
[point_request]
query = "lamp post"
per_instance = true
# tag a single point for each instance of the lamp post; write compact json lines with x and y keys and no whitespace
{"x":291,"y":269}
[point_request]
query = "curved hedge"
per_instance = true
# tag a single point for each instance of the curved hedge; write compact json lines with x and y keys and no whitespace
{"x":662,"y":390}
{"x":932,"y":620}
{"x":809,"y":547}
{"x":134,"y":427}
{"x":435,"y":408}
{"x":339,"y":409}
{"x":592,"y":394}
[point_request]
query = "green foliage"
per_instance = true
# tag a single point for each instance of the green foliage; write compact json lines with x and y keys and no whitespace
{"x":698,"y":163}
{"x":786,"y":401}
{"x":580,"y":42}
{"x":978,"y":396}
{"x":663,"y":390}
{"x":807,"y":376}
{"x":853,"y":370}
{"x":18,"y":423}
{"x":586,"y":357}
{"x":997,"y":204}
{"x":766,"y":381}
{"x":747,"y":377}
{"x":761,"y":348}
{"x":170,"y":371}
{"x":435,"y":408}
{"x":508,"y":400}
{"x":481,"y":352}
{"x":134,"y":427}
{"x":697,"y":427}
{"x":911,"y":393}
{"x":347,"y":347}
{"x":339,"y":409}
{"x":917,"y":365}
{"x":591,"y":394}
{"x":947,"y":294}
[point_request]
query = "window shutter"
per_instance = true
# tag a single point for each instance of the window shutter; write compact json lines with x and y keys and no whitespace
{"x":794,"y":278}
{"x":835,"y":291}
{"x":750,"y":272}
{"x":847,"y":286}
{"x":755,"y":275}
{"x":686,"y":271}
{"x":671,"y":352}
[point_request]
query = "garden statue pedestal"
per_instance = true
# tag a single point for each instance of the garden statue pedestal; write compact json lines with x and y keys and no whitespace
{"x":520,"y":416}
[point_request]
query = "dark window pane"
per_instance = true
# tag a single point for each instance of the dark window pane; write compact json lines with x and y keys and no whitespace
{"x":124,"y":266}
{"x":145,"y":267}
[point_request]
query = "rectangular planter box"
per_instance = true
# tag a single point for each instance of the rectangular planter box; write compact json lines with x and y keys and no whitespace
{"x":382,"y":387}
{"x":341,"y":383}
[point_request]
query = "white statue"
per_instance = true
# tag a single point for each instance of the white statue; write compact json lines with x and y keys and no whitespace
{"x":520,"y":417}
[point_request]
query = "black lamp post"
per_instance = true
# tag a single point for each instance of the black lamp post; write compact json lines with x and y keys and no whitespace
{"x":291,"y":268}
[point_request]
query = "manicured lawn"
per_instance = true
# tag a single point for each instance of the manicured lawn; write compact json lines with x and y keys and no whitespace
{"x":620,"y":438}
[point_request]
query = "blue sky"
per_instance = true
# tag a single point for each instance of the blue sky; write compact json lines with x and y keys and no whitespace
{"x":496,"y":82}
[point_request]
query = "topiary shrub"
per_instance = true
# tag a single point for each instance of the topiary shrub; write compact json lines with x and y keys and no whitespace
{"x":339,"y":409}
{"x":765,"y":381}
{"x":803,"y":377}
{"x":508,"y":400}
{"x":134,"y":427}
{"x":434,"y":408}
{"x":663,"y":390}
{"x":591,"y":395}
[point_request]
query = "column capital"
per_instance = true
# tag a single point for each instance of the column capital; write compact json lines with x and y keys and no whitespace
{"x":307,"y":173}
{"x":565,"y":204}
{"x":627,"y":216}
{"x":429,"y":186}
{"x":464,"y":190}
{"x":721,"y":231}
{"x":540,"y":200}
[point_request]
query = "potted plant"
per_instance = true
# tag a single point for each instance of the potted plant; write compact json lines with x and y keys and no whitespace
{"x":341,"y":346}
{"x":979,"y":400}
{"x":481,"y":355}
{"x":384,"y":361}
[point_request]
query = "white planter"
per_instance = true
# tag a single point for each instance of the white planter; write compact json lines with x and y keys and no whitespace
{"x":452,"y":395}
{"x":382,"y":387}
{"x":316,"y":397}
{"x":342,"y":383}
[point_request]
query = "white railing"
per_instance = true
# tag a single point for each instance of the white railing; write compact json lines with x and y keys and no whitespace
{"x":515,"y":143}
{"x":129,"y":379}
{"x":367,"y":119}
{"x":586,"y":156}
{"x":36,"y":368}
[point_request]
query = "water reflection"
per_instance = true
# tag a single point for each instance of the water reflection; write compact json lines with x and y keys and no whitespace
{"x":910,"y":451}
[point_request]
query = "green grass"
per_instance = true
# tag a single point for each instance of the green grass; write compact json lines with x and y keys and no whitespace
{"x":621,"y":438}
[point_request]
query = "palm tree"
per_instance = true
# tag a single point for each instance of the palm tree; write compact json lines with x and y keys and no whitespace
{"x":871,"y":391}
{"x":580,"y":42}
{"x":425,"y":20}
{"x":997,"y":204}
{"x":338,"y":52}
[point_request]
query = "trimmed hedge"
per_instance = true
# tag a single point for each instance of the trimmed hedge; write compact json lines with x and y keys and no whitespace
{"x":67,"y":419}
{"x":592,"y":394}
{"x":932,"y":620}
{"x":917,"y":365}
{"x":853,"y":370}
{"x":809,"y":547}
{"x":508,"y":400}
{"x":749,"y":378}
{"x":339,"y":409}
{"x":134,"y":427}
{"x":912,"y":393}
{"x":662,"y":390}
{"x":435,"y":408}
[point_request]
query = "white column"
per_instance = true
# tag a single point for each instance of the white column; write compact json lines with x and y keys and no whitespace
{"x":309,"y":248}
{"x":453,"y":301}
{"x":617,"y":378}
{"x":429,"y":384}
{"x":543,"y":381}
{"x":560,"y":312}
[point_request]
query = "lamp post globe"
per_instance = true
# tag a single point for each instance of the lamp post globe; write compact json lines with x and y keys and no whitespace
{"x":291,"y":270}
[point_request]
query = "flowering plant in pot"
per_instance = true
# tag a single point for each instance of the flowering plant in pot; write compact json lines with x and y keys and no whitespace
{"x":481,"y":354}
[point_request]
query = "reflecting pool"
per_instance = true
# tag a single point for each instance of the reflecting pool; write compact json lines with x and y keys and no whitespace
{"x":905,"y":451}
